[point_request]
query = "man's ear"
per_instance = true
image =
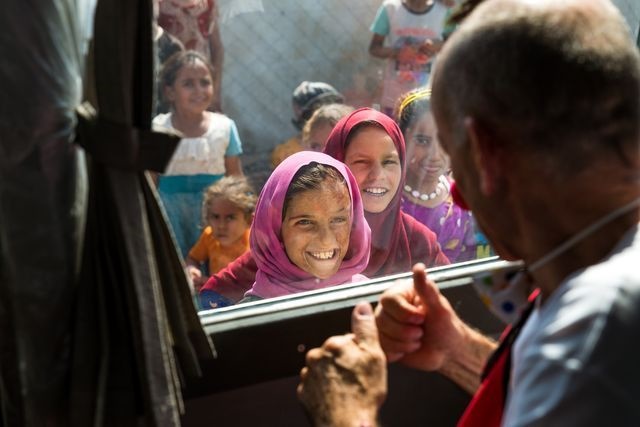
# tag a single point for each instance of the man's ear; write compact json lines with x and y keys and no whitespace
{"x":485,"y":153}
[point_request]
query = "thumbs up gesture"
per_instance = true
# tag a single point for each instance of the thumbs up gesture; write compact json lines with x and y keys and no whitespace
{"x":345,"y":380}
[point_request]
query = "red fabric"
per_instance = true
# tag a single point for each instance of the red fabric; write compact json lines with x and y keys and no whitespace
{"x":398,"y":241}
{"x":235,"y":279}
{"x":487,"y":406}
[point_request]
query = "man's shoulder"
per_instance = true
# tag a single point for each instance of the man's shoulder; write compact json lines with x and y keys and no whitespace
{"x":619,"y":270}
{"x":592,"y":296}
{"x":577,"y":353}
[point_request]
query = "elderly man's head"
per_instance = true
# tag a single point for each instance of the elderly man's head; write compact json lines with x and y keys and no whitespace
{"x":557,"y":81}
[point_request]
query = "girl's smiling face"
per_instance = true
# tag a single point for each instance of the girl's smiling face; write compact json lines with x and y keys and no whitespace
{"x":426,"y":159}
{"x":316,"y":228}
{"x":374,"y":161}
{"x":192,"y":90}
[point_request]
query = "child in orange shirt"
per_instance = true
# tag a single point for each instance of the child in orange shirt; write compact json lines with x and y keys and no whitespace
{"x":227,"y":211}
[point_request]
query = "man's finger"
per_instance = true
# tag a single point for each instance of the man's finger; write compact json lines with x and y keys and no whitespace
{"x":387,"y":325}
{"x":314,"y":355}
{"x":363,"y":324}
{"x":390,"y":345}
{"x":336,"y":344}
{"x":398,"y":303}
{"x":424,"y":288}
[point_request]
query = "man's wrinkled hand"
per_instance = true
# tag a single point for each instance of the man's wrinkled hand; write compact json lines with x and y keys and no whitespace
{"x":345,"y":380}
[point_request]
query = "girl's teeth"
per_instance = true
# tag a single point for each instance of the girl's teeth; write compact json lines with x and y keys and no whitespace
{"x":376,"y":190}
{"x":323,"y":255}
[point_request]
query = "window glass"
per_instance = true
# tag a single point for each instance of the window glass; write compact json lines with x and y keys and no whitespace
{"x":274,"y":78}
{"x":281,"y":63}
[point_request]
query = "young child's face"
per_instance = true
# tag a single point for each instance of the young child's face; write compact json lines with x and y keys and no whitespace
{"x":192,"y":90}
{"x":317,"y":137}
{"x":316,"y":229}
{"x":374,"y":160}
{"x":227,"y":220}
{"x":426,"y":159}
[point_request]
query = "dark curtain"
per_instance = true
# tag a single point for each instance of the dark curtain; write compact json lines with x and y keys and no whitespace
{"x":97,"y":324}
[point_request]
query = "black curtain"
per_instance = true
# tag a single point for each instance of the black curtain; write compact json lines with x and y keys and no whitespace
{"x":97,"y":323}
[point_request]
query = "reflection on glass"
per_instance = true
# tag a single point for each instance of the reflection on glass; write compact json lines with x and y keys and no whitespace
{"x":332,"y":51}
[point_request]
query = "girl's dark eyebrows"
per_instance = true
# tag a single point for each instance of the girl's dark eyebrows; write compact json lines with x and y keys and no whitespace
{"x":302,"y":215}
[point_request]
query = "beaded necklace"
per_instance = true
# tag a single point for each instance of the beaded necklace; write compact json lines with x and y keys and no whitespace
{"x":442,"y":186}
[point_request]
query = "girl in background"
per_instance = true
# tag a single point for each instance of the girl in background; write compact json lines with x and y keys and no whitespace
{"x":310,"y":231}
{"x":408,"y":35}
{"x":195,"y":24}
{"x":227,"y":211}
{"x":317,"y":129}
{"x":426,"y":194}
{"x":209,"y":150}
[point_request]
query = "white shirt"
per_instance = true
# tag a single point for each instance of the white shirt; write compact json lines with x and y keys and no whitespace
{"x":200,"y":155}
{"x":577,"y":359}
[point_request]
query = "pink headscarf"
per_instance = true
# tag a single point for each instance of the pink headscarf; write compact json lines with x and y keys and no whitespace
{"x":277,"y":275}
{"x":398,"y":240}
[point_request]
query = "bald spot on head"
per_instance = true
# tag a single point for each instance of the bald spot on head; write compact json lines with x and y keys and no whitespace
{"x":550,"y":75}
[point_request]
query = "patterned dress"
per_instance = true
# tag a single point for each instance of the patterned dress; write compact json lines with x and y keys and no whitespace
{"x":452,"y":225}
{"x":190,"y":21}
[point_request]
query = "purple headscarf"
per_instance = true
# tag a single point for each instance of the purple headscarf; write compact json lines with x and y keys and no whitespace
{"x":277,"y":275}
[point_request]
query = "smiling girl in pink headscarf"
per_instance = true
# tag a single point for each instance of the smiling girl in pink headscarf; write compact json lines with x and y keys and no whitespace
{"x":309,"y":230}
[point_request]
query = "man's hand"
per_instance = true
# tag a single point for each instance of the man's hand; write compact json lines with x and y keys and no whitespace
{"x":417,"y":324}
{"x":345,"y":380}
